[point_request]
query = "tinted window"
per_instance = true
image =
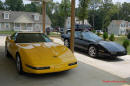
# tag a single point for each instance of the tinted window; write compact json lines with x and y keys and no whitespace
{"x":31,"y":38}
{"x":77,"y":34}
{"x":91,"y":36}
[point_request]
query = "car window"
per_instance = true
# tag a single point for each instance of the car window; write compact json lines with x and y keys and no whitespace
{"x":90,"y":36}
{"x":32,"y":38}
{"x":77,"y":33}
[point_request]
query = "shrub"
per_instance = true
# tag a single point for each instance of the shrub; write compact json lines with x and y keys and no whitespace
{"x":126,"y":43}
{"x":94,"y":31}
{"x":105,"y":35}
{"x":112,"y":37}
{"x":128,"y":36}
{"x":98,"y":33}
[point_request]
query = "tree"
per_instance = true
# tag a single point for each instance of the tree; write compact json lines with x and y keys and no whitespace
{"x":83,"y":10}
{"x":14,"y":5}
{"x":112,"y":37}
{"x":33,"y":7}
{"x":125,"y":12}
{"x":93,"y":5}
{"x":105,"y":35}
{"x":1,"y":5}
{"x":126,"y":43}
{"x":65,"y":9}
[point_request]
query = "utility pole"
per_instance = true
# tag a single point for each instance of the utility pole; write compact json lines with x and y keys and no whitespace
{"x":44,"y":15}
{"x":72,"y":25}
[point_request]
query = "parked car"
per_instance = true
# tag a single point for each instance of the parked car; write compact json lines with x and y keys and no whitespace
{"x":94,"y":44}
{"x":99,"y":31}
{"x":36,"y":53}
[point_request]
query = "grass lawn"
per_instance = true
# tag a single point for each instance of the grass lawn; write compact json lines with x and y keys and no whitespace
{"x":54,"y":34}
{"x":120,"y":41}
{"x":7,"y":32}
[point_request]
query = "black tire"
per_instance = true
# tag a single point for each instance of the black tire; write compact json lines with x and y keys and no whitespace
{"x":66,"y":43}
{"x":92,"y":51}
{"x":19,"y":64}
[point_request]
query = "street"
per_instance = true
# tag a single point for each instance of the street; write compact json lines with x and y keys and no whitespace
{"x":83,"y":75}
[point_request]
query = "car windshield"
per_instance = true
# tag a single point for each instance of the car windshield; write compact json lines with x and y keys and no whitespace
{"x":81,"y":26}
{"x":31,"y":38}
{"x":91,"y":36}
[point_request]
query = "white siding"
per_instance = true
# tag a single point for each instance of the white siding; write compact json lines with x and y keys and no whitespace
{"x":0,"y":26}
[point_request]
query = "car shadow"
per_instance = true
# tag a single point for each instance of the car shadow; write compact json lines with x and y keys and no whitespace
{"x":104,"y":58}
{"x":48,"y":75}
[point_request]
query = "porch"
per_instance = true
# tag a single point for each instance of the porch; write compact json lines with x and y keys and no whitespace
{"x":23,"y":26}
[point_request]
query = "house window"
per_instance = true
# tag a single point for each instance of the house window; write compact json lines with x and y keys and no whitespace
{"x":36,"y":17}
{"x":37,"y":26}
{"x":17,"y":25}
{"x":7,"y":25}
{"x":6,"y":15}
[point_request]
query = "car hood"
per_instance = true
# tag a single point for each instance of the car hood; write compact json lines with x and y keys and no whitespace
{"x":112,"y":46}
{"x":46,"y":53}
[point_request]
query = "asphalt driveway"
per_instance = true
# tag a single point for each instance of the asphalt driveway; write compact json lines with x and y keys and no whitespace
{"x":83,"y":75}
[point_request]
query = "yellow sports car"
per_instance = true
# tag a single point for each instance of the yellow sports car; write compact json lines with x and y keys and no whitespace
{"x":36,"y":53}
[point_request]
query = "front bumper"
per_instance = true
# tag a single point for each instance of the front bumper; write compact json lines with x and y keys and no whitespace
{"x":53,"y":68}
{"x":123,"y":53}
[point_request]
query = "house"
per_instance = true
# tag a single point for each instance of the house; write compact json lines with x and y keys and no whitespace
{"x":117,"y":27}
{"x":77,"y":21}
{"x":21,"y":21}
{"x":128,"y":28}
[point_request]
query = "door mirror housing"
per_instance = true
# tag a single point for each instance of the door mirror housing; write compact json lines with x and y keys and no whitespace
{"x":12,"y":40}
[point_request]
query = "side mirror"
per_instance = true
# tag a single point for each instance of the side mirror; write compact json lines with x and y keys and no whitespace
{"x":12,"y":40}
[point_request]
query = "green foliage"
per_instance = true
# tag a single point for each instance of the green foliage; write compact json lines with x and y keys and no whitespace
{"x":33,"y":7}
{"x":94,"y":31}
{"x":83,"y":10}
{"x":14,"y":5}
{"x":126,"y":43}
{"x":1,"y":5}
{"x":105,"y":35}
{"x":98,"y":33}
{"x":125,"y":12}
{"x":128,"y":36}
{"x":112,"y":37}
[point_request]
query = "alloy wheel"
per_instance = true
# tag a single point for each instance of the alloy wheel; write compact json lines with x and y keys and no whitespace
{"x":92,"y":51}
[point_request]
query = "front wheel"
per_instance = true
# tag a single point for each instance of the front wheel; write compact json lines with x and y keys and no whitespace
{"x":66,"y":43}
{"x":19,"y":65}
{"x":92,"y":51}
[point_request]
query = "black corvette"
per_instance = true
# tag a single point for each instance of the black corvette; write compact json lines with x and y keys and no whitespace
{"x":94,"y":44}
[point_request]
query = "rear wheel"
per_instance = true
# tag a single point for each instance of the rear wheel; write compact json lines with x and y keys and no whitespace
{"x":19,"y":65}
{"x":92,"y":51}
{"x":66,"y":43}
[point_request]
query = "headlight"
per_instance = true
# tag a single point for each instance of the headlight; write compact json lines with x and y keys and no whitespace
{"x":38,"y":68}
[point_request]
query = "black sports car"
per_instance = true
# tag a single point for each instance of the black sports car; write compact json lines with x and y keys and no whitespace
{"x":94,"y":44}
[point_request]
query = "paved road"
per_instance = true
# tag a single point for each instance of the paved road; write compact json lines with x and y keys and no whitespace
{"x":83,"y":75}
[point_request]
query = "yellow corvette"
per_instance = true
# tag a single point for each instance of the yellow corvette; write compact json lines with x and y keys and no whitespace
{"x":36,"y":53}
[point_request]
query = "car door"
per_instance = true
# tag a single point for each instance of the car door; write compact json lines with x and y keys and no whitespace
{"x":78,"y":39}
{"x":85,"y":40}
